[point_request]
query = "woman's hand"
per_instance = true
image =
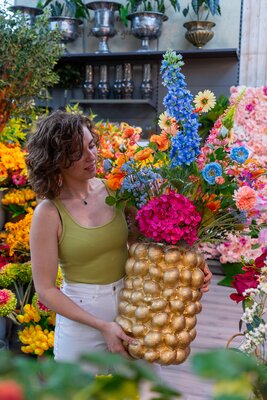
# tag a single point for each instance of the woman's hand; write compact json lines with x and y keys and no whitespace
{"x":207,"y":279}
{"x":114,"y":337}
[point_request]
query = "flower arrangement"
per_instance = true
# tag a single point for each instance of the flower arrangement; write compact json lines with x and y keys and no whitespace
{"x":19,"y":201}
{"x":12,"y":165}
{"x":184,"y":193}
{"x":251,"y":289}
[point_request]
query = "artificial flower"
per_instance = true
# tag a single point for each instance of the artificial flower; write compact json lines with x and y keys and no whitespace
{"x":239,"y":154}
{"x":245,"y":198}
{"x":8,"y":302}
{"x":212,"y":171}
{"x":205,"y":100}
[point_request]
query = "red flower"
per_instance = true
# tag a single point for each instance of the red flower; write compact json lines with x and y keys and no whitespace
{"x":241,"y":282}
{"x":11,"y":390}
{"x":259,"y":261}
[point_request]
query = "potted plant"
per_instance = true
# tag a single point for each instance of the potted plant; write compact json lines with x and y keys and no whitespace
{"x":66,"y":16}
{"x":146,"y":18}
{"x":199,"y":29}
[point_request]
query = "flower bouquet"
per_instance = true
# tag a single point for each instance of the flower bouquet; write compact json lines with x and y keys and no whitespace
{"x":184,"y":196}
{"x":251,"y":289}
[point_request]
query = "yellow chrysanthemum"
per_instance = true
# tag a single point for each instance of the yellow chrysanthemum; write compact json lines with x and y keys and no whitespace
{"x":205,"y":100}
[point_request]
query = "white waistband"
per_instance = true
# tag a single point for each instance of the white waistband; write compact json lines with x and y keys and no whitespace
{"x":88,"y":288}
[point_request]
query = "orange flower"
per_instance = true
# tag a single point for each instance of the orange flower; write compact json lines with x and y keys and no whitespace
{"x":213,"y":204}
{"x":128,"y":132}
{"x":115,"y":179}
{"x":161,"y":141}
{"x":144,"y":154}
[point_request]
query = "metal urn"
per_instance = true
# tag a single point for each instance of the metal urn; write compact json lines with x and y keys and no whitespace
{"x":30,"y":13}
{"x":199,"y":33}
{"x":104,"y":22}
{"x":146,"y":25}
{"x":69,"y":27}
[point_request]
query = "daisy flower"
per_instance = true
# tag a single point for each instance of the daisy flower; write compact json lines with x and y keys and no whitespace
{"x":205,"y":100}
{"x":168,"y":123}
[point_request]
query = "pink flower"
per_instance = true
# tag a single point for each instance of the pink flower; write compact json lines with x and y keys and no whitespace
{"x":19,"y":180}
{"x":169,"y":218}
{"x":219,"y":180}
{"x":263,"y":237}
{"x":250,"y":107}
{"x":241,"y":282}
{"x":4,"y":296}
{"x":265,"y":90}
{"x":245,"y":198}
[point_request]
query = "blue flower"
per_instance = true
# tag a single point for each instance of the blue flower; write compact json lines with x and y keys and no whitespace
{"x":178,"y":103}
{"x":211,"y":171}
{"x":239,"y":154}
{"x":107,"y":165}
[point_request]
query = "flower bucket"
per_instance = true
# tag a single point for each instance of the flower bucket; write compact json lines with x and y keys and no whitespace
{"x":160,"y":300}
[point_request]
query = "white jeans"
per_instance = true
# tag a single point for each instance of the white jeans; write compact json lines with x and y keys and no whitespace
{"x":72,"y":339}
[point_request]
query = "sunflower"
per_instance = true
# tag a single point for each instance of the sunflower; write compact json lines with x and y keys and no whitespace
{"x":205,"y":100}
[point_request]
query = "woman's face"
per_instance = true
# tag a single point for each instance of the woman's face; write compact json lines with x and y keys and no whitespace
{"x":85,"y":167}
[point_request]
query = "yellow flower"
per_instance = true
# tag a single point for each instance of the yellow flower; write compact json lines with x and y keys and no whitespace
{"x":168,"y":123}
{"x":205,"y":100}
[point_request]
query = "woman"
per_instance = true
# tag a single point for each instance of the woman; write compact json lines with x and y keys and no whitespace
{"x":75,"y":226}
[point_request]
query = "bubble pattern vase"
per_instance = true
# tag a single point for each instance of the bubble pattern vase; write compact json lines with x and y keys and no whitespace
{"x":160,"y":300}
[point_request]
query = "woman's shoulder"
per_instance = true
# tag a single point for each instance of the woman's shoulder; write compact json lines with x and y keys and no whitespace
{"x":45,"y":209}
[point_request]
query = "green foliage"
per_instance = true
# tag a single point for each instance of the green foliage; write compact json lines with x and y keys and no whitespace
{"x":236,"y":374}
{"x":208,"y":119}
{"x":70,"y":76}
{"x":28,"y":55}
{"x":47,"y":379}
{"x":203,"y":8}
{"x":66,"y":8}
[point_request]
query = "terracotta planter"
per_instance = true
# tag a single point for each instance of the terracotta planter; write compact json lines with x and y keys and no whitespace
{"x":160,"y":300}
{"x":199,"y":33}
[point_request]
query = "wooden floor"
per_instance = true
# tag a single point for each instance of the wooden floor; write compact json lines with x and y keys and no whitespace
{"x":217,"y":322}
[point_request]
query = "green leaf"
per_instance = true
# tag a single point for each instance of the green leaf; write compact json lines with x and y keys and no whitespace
{"x":110,"y":200}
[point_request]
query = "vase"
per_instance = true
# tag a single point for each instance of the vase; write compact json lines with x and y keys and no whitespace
{"x":117,"y":87}
{"x":30,"y":13}
{"x":160,"y":300}
{"x":103,"y":88}
{"x":88,"y":85}
{"x":230,"y":270}
{"x":104,"y":22}
{"x":146,"y":25}
{"x":199,"y":33}
{"x":146,"y":87}
{"x":127,"y":83}
{"x":68,"y":27}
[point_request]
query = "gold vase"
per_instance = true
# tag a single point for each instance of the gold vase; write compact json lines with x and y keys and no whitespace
{"x":199,"y":33}
{"x":160,"y":300}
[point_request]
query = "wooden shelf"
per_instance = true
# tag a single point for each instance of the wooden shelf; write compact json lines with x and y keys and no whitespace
{"x":147,"y":56}
{"x":114,"y":102}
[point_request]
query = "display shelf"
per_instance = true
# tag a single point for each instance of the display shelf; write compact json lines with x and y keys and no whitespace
{"x":148,"y":56}
{"x":113,"y":102}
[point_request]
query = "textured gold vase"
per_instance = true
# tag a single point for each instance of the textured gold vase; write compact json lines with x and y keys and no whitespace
{"x":199,"y":33}
{"x":160,"y":300}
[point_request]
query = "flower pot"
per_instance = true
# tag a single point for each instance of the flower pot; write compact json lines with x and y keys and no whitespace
{"x":146,"y":25}
{"x":69,"y":27}
{"x":160,"y":300}
{"x":199,"y":33}
{"x":29,"y":12}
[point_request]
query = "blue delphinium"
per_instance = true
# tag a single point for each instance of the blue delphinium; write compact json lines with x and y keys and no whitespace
{"x":107,"y":165}
{"x":239,"y":154}
{"x":140,"y":184}
{"x":211,"y":171}
{"x":178,"y":102}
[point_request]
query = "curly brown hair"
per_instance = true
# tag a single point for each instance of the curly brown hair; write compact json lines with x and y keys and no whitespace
{"x":57,"y":143}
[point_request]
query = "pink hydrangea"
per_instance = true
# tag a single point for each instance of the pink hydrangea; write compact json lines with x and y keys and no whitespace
{"x":169,"y":218}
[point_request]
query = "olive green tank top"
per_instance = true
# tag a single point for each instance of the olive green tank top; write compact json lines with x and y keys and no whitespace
{"x":92,"y":255}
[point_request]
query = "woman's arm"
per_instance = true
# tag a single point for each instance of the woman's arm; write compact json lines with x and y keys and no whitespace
{"x":44,"y":233}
